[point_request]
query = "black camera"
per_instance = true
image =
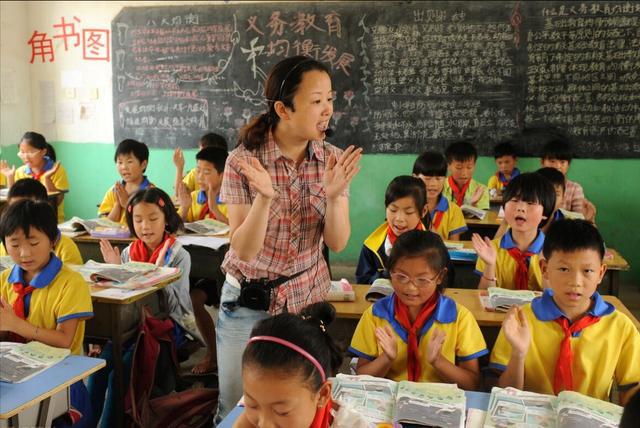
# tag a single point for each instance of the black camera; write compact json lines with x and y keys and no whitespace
{"x":255,"y":294}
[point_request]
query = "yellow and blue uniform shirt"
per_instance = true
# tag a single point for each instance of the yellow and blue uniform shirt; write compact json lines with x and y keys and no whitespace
{"x":3,"y":180}
{"x":506,"y":265}
{"x":497,"y":181}
{"x":191,"y":180}
{"x":60,"y":294}
{"x":65,"y":249}
{"x":452,"y":221}
{"x":604,"y":352}
{"x":59,"y":179}
{"x":373,"y":257}
{"x":483,"y":202}
{"x":110,"y":200}
{"x":198,"y":201}
{"x":463,"y":340}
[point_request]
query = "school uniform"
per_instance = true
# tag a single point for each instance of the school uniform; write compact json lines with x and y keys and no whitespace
{"x":199,"y":209}
{"x":447,"y":219}
{"x":604,"y":352}
{"x":191,"y":180}
{"x":506,"y":264}
{"x":374,"y":256}
{"x":59,"y":179}
{"x":111,"y":199}
{"x":463,"y":342}
{"x":3,"y":180}
{"x":483,"y":202}
{"x":60,"y":294}
{"x":498,"y":181}
{"x":65,"y":249}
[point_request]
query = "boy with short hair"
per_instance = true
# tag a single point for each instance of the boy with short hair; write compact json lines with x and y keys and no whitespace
{"x":32,"y":189}
{"x":569,"y":338}
{"x":205,"y":202}
{"x":131,"y":158}
{"x":460,"y":187}
{"x":511,"y":261}
{"x":210,"y":139}
{"x":556,"y":153}
{"x":556,"y":178}
{"x":445,"y":219}
{"x":506,"y":159}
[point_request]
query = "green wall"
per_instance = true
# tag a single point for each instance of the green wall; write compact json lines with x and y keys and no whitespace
{"x":608,"y":183}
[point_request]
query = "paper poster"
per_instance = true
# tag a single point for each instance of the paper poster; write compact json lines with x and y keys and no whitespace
{"x":71,"y":78}
{"x":8,"y":84}
{"x":47,"y":102}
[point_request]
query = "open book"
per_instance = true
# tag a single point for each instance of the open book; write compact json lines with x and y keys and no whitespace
{"x":131,"y":275}
{"x":511,"y":407}
{"x":208,"y":226}
{"x":341,"y":291}
{"x":471,"y":211}
{"x":22,"y":361}
{"x":572,"y":215}
{"x":383,"y":400}
{"x":5,"y":262}
{"x":380,"y":288}
{"x":501,"y":299}
{"x":99,"y":228}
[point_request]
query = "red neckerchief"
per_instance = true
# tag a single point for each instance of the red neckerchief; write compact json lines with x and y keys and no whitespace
{"x":437,"y":220}
{"x":322,"y":419}
{"x":138,"y":251}
{"x":206,"y":211}
{"x":522,"y":267}
{"x":458,"y":193}
{"x":18,"y":306}
{"x":402,"y":316}
{"x":392,"y":236}
{"x":563,"y":377}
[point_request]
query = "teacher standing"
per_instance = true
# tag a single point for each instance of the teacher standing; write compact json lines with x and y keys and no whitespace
{"x":286,"y":190}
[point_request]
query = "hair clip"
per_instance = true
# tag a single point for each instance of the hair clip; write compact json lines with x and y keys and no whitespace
{"x":322,"y":326}
{"x":129,"y":208}
{"x":161,"y":202}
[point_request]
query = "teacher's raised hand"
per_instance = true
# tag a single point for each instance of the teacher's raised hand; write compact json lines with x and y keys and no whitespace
{"x":338,"y":173}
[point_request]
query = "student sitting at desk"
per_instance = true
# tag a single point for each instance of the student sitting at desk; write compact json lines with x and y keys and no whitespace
{"x":557,"y":154}
{"x":511,"y":261}
{"x":28,"y":188}
{"x":446,"y":219}
{"x":506,"y":160}
{"x":417,"y":333}
{"x":205,"y":202}
{"x":460,"y":187}
{"x":285,"y":368}
{"x":405,"y":201}
{"x":190,"y":180}
{"x":569,"y":338}
{"x":41,"y":298}
{"x":39,"y":160}
{"x":131,"y":158}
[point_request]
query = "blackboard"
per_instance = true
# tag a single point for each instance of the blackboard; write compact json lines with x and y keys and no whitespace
{"x":408,"y":76}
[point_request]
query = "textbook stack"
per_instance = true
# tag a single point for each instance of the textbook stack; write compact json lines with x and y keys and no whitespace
{"x":511,"y":407}
{"x":382,"y":400}
{"x":22,"y":361}
{"x":457,"y":252}
{"x":208,"y":226}
{"x":501,"y":299}
{"x":131,"y":275}
{"x":98,"y":228}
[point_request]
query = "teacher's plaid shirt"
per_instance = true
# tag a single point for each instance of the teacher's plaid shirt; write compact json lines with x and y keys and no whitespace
{"x":293,"y":241}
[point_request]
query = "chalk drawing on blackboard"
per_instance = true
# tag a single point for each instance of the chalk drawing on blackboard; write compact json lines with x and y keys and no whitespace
{"x":224,"y":62}
{"x":254,"y":97}
{"x":122,"y":29}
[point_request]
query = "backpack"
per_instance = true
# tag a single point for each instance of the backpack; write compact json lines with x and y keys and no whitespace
{"x":151,"y":400}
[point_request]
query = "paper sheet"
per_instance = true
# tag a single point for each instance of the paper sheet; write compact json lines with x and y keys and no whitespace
{"x":212,"y":242}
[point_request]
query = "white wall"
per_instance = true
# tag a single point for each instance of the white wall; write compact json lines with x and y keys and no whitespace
{"x":59,"y":117}
{"x":15,"y":89}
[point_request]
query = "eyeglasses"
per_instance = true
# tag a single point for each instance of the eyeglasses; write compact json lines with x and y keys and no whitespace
{"x":420,"y":282}
{"x":28,"y":154}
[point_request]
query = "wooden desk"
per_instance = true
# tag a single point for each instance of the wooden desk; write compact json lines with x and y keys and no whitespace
{"x":29,"y":403}
{"x":118,"y":320}
{"x":467,"y":298}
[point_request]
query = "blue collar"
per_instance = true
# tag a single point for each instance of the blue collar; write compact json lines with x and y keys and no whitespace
{"x":446,"y":312}
{"x":48,"y":164}
{"x":202,"y":198}
{"x":545,"y":308}
{"x":535,"y":247}
{"x":42,"y":278}
{"x":145,"y":183}
{"x":442,"y":205}
{"x":514,"y":174}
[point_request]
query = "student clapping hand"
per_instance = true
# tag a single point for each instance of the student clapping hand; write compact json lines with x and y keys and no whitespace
{"x":387,"y":341}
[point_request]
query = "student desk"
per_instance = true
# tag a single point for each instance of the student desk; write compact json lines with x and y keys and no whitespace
{"x":466,"y":277}
{"x":465,"y":297}
{"x":44,"y":397}
{"x":52,"y":196}
{"x":475,"y":400}
{"x":205,"y":262}
{"x":118,"y":320}
{"x":485,"y":227}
